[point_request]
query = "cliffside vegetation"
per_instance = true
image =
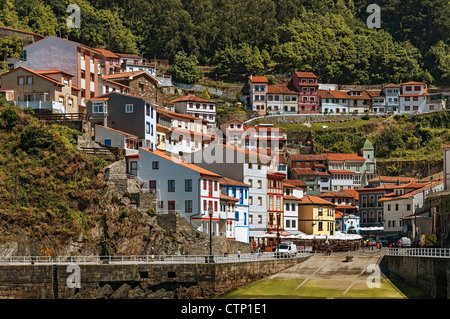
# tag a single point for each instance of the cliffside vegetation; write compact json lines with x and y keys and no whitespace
{"x":45,"y":183}
{"x":403,"y":137}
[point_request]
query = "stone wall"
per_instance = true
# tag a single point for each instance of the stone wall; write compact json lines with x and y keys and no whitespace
{"x":429,"y":274}
{"x":305,"y":118}
{"x":144,"y":281}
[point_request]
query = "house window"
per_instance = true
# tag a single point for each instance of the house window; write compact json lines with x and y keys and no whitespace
{"x":155,"y":165}
{"x":147,"y":127}
{"x":152,"y":186}
{"x":29,"y":80}
{"x":259,"y":201}
{"x":188,"y":185}
{"x":20,"y":80}
{"x":171,"y":206}
{"x":98,"y":107}
{"x":128,"y":108}
{"x":188,"y":206}
{"x":171,"y":185}
{"x":320,"y":226}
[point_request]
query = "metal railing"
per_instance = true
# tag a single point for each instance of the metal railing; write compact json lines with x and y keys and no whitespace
{"x":419,"y":252}
{"x":144,"y":259}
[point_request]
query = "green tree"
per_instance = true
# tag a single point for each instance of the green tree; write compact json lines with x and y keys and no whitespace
{"x":185,"y":68}
{"x":42,"y":20}
{"x":10,"y":47}
{"x":205,"y":94}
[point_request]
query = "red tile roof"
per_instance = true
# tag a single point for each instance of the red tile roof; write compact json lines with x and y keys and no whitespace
{"x":314,"y":200}
{"x":108,"y":53}
{"x":341,"y":172}
{"x":296,"y":157}
{"x":343,"y":157}
{"x":258,"y":79}
{"x":229,"y":181}
{"x":190,"y":98}
{"x":290,"y":197}
{"x":226,"y":197}
{"x":131,"y":74}
{"x":296,"y":182}
{"x":306,"y":74}
{"x":280,"y":89}
{"x":336,"y":194}
{"x":393,"y":179}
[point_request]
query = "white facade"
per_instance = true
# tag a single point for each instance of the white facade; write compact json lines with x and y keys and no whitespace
{"x":182,"y":188}
{"x":127,"y":142}
{"x":395,"y":209}
{"x":255,"y":174}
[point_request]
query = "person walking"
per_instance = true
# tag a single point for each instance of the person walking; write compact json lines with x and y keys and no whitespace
{"x":239,"y":254}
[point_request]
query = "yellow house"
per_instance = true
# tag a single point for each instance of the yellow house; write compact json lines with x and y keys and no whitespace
{"x":41,"y":89}
{"x":316,"y":216}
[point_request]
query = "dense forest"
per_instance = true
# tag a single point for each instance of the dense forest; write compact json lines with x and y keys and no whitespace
{"x":236,"y":37}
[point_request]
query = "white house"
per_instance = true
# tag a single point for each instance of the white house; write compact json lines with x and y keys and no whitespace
{"x":227,"y":218}
{"x":111,"y":137}
{"x":404,"y":201}
{"x":413,"y":97}
{"x":244,"y":166}
{"x":191,"y":191}
{"x":291,"y":207}
{"x":195,"y":106}
{"x":241,"y":220}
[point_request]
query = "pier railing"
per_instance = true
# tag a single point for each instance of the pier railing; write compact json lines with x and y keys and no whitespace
{"x":144,"y":259}
{"x":419,"y":252}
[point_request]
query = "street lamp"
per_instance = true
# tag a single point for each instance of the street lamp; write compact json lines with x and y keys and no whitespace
{"x":210,"y":213}
{"x":278,"y":232}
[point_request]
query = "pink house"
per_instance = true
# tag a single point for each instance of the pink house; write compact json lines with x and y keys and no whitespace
{"x":306,"y":83}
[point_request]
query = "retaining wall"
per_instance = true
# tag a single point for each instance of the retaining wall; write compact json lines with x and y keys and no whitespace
{"x":135,"y":281}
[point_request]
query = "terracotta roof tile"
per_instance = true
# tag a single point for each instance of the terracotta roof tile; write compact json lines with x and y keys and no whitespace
{"x":229,"y":181}
{"x":189,"y":98}
{"x":314,"y":200}
{"x":258,"y":79}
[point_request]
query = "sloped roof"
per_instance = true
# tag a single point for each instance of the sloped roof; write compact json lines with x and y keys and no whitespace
{"x":336,"y":194}
{"x":312,"y":157}
{"x":229,"y":181}
{"x":35,"y":73}
{"x":193,"y":167}
{"x":190,"y":98}
{"x":226,"y":197}
{"x":314,"y":200}
{"x":306,"y":74}
{"x":258,"y":79}
{"x":296,"y":182}
{"x":117,"y":131}
{"x":108,"y":53}
{"x":280,"y":89}
{"x":128,"y":75}
{"x":343,"y":157}
{"x":393,"y":179}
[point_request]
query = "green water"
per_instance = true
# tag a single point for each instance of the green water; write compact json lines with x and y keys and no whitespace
{"x":322,"y":289}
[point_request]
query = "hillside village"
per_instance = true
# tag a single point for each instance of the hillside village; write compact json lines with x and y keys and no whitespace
{"x":231,"y":178}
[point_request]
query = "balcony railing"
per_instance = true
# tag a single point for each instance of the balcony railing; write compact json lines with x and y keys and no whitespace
{"x":43,"y":105}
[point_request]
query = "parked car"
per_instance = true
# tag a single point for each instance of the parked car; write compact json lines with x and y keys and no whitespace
{"x":286,"y":249}
{"x":405,"y":242}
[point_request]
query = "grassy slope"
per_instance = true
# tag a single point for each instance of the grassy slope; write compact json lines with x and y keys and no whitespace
{"x":44,"y":189}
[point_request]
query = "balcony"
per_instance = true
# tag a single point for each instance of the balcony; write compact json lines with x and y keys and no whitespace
{"x":43,"y":105}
